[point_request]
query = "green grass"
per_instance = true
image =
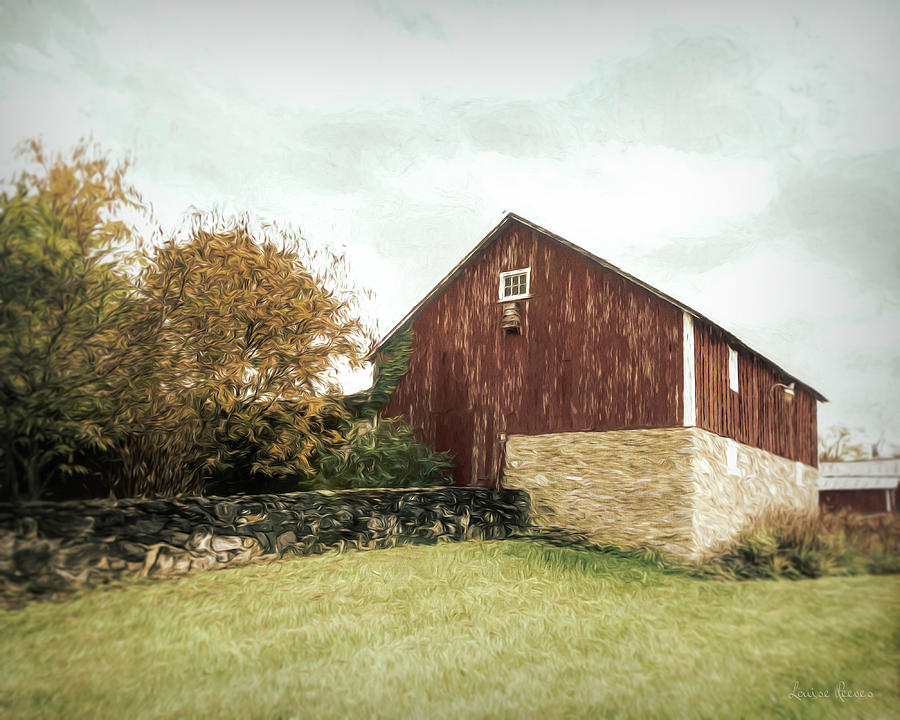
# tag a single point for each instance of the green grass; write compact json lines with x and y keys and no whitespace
{"x":502,"y":629}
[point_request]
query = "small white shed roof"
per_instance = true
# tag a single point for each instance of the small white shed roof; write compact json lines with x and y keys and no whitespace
{"x":860,"y":475}
{"x":862,"y":468}
{"x":839,"y":482}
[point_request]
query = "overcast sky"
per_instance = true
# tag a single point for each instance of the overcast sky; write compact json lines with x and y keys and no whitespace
{"x":741,"y":157}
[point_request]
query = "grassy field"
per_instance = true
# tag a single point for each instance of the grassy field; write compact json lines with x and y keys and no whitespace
{"x":503,"y":629}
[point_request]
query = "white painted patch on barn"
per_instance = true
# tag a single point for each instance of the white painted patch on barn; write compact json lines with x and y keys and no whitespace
{"x":690,"y":403}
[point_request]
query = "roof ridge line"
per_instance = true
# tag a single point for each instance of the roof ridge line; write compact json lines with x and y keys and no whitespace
{"x":514,"y":217}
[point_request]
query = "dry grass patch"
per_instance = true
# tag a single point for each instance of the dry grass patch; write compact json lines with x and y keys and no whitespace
{"x":794,"y":546}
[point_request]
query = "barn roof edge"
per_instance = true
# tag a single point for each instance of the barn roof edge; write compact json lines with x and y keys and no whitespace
{"x":512,"y":217}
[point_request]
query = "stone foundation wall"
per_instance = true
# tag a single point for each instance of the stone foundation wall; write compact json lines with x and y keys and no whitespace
{"x":46,"y":546}
{"x":726,"y":500}
{"x":629,"y":488}
{"x":665,"y":488}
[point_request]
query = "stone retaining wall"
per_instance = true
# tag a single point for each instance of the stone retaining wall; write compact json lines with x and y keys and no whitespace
{"x":46,"y":546}
{"x":665,"y":488}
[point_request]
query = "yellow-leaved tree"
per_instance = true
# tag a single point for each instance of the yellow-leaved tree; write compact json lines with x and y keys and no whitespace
{"x":248,"y":324}
{"x":154,"y":369}
{"x":66,"y":368}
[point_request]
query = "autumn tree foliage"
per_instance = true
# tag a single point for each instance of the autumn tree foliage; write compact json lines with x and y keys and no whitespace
{"x":157,"y":368}
{"x":841,"y":444}
{"x":64,"y":295}
{"x":248,"y":324}
{"x":838,"y":443}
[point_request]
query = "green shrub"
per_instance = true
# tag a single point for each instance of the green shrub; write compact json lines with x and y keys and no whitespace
{"x":381,"y":454}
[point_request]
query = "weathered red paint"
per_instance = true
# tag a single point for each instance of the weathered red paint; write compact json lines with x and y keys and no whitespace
{"x":865,"y":501}
{"x":757,"y":414}
{"x":596,"y":352}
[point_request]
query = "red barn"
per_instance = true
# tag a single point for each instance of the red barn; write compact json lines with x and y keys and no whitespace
{"x":865,"y":486}
{"x":531,"y":339}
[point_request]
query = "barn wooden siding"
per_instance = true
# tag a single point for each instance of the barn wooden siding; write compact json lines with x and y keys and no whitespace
{"x":756,"y":415}
{"x":596,"y":352}
{"x":863,"y":501}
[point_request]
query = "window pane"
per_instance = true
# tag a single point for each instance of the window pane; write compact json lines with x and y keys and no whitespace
{"x":733,"y":369}
{"x":514,"y":285}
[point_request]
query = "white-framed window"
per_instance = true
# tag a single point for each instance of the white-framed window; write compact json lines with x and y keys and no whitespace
{"x":515,"y":284}
{"x":731,"y":458}
{"x":733,"y":369}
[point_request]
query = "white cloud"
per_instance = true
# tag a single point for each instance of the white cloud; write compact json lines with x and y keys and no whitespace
{"x":605,"y":194}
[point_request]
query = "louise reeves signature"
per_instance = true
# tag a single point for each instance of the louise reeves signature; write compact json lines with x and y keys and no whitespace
{"x":838,"y":692}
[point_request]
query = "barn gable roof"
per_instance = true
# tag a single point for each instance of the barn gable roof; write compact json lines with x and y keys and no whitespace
{"x":512,"y":218}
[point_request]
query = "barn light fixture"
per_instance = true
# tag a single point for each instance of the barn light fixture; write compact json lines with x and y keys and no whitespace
{"x":788,"y":390}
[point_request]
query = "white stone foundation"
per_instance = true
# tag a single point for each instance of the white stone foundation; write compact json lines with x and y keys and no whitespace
{"x":667,"y":488}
